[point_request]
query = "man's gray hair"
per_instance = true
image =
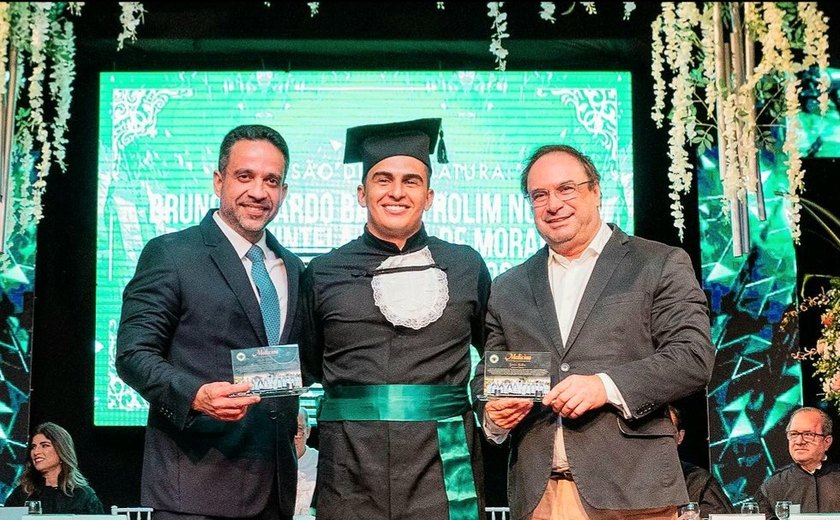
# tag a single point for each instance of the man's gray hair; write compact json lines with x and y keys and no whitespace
{"x":826,"y":419}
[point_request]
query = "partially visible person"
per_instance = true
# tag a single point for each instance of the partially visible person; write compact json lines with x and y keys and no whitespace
{"x":52,"y":475}
{"x":307,"y":468}
{"x":811,"y":481}
{"x":212,"y":449}
{"x":702,"y":487}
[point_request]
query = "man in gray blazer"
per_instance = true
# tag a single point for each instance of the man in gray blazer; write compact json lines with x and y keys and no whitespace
{"x":627,"y":326}
{"x":196,"y":295}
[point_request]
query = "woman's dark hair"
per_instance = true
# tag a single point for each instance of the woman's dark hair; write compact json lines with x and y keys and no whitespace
{"x":70,"y":477}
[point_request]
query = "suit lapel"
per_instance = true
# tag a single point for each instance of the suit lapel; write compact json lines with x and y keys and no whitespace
{"x":292,"y":276}
{"x":231,"y":268}
{"x":538,"y":278}
{"x":614,"y":251}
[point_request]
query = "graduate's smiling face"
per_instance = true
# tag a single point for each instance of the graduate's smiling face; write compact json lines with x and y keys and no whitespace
{"x":396,"y":193}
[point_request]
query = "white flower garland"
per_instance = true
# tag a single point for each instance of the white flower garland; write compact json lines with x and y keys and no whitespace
{"x":684,"y":43}
{"x":547,"y":11}
{"x":130,"y":18}
{"x":629,"y":7}
{"x":494,"y":11}
{"x":315,"y":6}
{"x":45,"y":44}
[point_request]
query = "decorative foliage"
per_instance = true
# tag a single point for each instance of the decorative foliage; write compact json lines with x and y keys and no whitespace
{"x":547,"y":10}
{"x":37,"y":52}
{"x":131,"y":18}
{"x":314,"y":6}
{"x":723,"y":97}
{"x":440,"y":6}
{"x":825,"y":355}
{"x":629,"y":7}
{"x":494,"y":11}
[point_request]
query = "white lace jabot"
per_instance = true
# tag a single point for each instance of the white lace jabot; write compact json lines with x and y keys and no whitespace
{"x":412,"y":299}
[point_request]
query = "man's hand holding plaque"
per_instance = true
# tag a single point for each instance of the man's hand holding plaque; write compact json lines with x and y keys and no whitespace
{"x":271,"y":371}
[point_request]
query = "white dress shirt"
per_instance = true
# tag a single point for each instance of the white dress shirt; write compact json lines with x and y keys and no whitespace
{"x":568,"y":280}
{"x":274,"y":265}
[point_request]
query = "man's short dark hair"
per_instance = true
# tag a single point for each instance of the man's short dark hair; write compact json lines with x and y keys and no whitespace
{"x":252,"y":133}
{"x":591,"y":172}
{"x":676,"y":416}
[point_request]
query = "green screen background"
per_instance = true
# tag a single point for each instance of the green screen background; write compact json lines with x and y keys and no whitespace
{"x":159,"y":134}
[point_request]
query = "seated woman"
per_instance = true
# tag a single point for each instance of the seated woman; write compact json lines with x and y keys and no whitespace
{"x":52,"y":475}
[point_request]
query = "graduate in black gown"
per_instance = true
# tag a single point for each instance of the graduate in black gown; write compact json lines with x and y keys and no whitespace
{"x":390,"y":317}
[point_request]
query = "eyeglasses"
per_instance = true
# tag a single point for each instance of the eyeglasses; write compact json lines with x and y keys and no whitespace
{"x":565,"y":191}
{"x":806,"y":436}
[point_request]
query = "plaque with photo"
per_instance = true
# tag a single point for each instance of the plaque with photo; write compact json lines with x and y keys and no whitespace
{"x":517,"y":374}
{"x":272,"y":371}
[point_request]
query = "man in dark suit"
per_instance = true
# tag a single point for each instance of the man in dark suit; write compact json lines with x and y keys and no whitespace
{"x":193,"y":299}
{"x":628,"y":329}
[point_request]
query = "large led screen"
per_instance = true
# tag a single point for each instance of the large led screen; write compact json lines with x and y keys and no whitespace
{"x":159,"y":135}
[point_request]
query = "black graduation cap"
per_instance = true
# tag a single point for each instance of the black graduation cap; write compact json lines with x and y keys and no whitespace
{"x":369,"y":144}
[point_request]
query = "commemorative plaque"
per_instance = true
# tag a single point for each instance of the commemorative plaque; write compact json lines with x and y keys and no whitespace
{"x":272,"y":371}
{"x":517,"y":374}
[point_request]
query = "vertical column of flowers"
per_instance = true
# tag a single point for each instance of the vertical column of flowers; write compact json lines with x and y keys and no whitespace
{"x":750,"y":98}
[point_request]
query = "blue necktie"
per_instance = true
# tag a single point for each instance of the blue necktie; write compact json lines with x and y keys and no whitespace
{"x":269,"y":303}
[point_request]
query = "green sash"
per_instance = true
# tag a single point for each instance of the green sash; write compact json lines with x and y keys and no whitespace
{"x":417,"y":403}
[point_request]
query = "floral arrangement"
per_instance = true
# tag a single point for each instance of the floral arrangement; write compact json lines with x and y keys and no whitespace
{"x":499,"y":25}
{"x":37,"y":52}
{"x":720,"y":93}
{"x":825,"y":355}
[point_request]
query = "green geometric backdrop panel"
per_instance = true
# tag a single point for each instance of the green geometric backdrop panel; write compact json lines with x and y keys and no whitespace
{"x":17,"y":281}
{"x":755,"y":383}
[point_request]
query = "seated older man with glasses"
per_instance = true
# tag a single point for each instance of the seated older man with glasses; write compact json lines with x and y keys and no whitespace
{"x":812,"y":480}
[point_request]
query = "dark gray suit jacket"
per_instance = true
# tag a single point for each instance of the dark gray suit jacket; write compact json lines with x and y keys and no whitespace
{"x":643,"y":320}
{"x":189,"y":304}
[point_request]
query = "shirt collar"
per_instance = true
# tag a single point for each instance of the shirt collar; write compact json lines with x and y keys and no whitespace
{"x":239,"y":243}
{"x":595,"y":247}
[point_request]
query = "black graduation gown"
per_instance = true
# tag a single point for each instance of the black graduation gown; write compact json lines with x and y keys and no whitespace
{"x":388,"y":469}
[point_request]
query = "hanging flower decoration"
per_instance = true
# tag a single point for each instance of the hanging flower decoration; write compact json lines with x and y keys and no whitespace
{"x":37,"y":52}
{"x":629,"y":7}
{"x":547,"y":10}
{"x":720,"y":95}
{"x":494,"y":11}
{"x":313,"y":8}
{"x":131,"y":18}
